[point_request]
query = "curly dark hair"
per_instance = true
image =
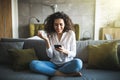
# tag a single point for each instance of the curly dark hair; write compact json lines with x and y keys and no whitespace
{"x":49,"y":22}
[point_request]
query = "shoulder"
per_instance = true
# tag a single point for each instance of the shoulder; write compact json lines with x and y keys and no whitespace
{"x":71,"y":35}
{"x":71,"y":32}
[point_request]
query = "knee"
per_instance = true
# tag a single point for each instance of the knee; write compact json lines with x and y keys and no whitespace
{"x":33,"y":64}
{"x":79,"y":63}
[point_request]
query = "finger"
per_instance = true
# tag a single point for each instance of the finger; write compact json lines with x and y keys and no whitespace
{"x":39,"y":33}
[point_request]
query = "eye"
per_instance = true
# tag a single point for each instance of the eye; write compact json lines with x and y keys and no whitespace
{"x":61,"y":24}
{"x":55,"y":24}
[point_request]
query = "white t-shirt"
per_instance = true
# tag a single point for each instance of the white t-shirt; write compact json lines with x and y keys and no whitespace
{"x":68,"y":41}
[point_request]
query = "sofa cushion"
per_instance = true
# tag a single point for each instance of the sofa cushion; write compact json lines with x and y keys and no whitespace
{"x":82,"y":51}
{"x":7,"y":73}
{"x":38,"y":45}
{"x":103,"y":56}
{"x":82,"y":48}
{"x":22,"y":57}
{"x":4,"y":46}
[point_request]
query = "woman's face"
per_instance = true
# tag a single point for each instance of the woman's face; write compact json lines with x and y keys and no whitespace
{"x":59,"y":25}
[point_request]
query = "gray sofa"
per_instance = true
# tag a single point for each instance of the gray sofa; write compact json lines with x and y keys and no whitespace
{"x":6,"y":73}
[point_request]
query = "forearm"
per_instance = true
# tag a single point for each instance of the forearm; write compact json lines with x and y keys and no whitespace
{"x":47,"y":43}
{"x":70,"y":53}
{"x":65,"y":51}
{"x":48,"y":48}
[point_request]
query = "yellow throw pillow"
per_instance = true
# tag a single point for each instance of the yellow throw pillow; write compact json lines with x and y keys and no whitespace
{"x":21,"y":58}
{"x":103,"y":56}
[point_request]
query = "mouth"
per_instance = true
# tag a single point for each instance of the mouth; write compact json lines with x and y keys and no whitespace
{"x":59,"y":31}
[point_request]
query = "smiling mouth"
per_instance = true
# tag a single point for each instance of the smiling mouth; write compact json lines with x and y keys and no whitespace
{"x":58,"y":30}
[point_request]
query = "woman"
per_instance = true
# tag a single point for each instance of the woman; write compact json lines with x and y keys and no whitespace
{"x":58,"y":27}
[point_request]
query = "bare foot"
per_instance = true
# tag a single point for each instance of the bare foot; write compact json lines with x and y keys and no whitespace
{"x":77,"y":74}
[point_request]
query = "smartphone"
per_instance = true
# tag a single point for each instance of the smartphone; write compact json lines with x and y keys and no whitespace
{"x":57,"y":46}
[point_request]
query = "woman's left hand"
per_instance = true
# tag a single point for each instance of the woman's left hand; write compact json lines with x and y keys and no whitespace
{"x":62,"y":50}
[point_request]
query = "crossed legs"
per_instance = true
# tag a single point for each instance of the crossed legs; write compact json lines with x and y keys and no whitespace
{"x":71,"y":68}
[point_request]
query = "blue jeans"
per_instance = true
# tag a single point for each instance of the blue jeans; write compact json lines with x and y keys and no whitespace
{"x":49,"y":68}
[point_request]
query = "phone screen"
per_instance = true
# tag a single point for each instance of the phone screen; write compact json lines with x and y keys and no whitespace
{"x":57,"y":46}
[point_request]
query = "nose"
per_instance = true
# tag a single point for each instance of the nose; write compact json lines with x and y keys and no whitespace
{"x":58,"y":26}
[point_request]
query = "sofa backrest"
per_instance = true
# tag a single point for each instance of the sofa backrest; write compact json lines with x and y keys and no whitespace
{"x":82,"y":51}
{"x":40,"y":48}
{"x":38,"y":45}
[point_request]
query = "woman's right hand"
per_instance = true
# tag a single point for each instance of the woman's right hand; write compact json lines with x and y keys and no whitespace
{"x":42,"y":36}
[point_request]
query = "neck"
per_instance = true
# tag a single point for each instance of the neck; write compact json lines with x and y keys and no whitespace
{"x":59,"y":36}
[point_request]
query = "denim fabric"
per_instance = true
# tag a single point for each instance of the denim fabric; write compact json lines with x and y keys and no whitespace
{"x":49,"y":68}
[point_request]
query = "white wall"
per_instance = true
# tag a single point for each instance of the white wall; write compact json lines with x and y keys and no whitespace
{"x":14,"y":18}
{"x":106,"y":13}
{"x":80,"y":11}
